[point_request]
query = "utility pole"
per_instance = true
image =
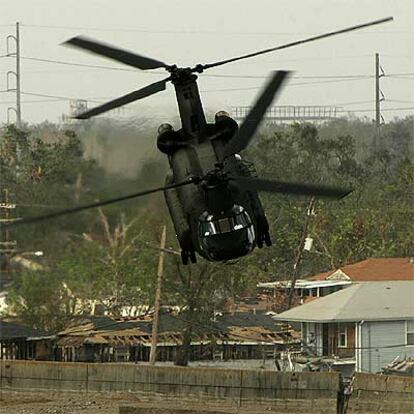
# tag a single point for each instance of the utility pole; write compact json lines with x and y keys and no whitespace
{"x":299,"y":254}
{"x":7,"y":246}
{"x":379,"y":97}
{"x":18,"y":90}
{"x":16,"y":73}
{"x":157,"y":304}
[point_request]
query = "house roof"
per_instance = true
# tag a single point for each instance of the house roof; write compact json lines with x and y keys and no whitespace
{"x":247,"y":320}
{"x":238,"y":327}
{"x":167,"y":323}
{"x":303,"y":284}
{"x":373,"y":269}
{"x":10,"y":330}
{"x":171,"y":323}
{"x":373,"y":301}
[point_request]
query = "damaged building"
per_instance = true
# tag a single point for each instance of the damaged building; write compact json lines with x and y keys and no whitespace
{"x":242,"y":335}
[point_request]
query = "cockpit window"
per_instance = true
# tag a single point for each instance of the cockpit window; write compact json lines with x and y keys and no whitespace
{"x":210,"y":226}
{"x":226,"y":237}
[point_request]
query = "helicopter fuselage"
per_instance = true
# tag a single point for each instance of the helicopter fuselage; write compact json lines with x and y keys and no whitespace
{"x":214,"y":217}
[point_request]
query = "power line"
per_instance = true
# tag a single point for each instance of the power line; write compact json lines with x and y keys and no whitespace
{"x":350,"y":76}
{"x":326,"y":81}
{"x":279,"y":61}
{"x":57,"y":98}
{"x":300,"y":77}
{"x":288,"y":85}
{"x":36,"y":101}
{"x":104,"y":67}
{"x":399,"y":100}
{"x":40,"y":205}
{"x":62,"y":62}
{"x":319,"y":58}
{"x":186,"y":32}
{"x":401,"y":74}
{"x":400,"y":77}
{"x":382,"y":109}
{"x":66,"y":98}
{"x":351,"y":103}
{"x":192,"y":32}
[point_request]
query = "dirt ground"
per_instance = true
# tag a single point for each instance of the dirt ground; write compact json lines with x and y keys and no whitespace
{"x":12,"y":402}
{"x":52,"y":402}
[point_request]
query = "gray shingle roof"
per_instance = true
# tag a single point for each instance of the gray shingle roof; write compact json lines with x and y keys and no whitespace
{"x":393,"y":300}
{"x":10,"y":330}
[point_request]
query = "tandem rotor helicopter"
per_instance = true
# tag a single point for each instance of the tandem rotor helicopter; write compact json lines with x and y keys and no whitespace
{"x":210,"y":191}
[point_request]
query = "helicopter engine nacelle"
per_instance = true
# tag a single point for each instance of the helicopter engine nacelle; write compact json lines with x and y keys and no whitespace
{"x":225,"y":125}
{"x":168,"y":140}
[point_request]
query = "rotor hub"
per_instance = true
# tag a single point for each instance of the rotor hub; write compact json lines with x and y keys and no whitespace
{"x":181,"y":74}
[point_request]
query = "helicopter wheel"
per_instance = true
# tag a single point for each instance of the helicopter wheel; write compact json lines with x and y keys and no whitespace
{"x":184,"y":257}
{"x":193,"y":257}
{"x":267,"y":239}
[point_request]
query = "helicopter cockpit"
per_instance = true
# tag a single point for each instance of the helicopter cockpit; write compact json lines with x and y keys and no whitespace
{"x":227,"y":236}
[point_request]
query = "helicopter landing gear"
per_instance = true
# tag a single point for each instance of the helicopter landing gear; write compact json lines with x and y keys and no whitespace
{"x":267,"y":239}
{"x":186,"y":254}
{"x":184,"y":257}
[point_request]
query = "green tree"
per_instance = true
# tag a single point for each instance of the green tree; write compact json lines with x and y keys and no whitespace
{"x":114,"y":268}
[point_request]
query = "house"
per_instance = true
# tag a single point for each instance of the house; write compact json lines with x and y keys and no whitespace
{"x":361,"y":328}
{"x":322,"y":284}
{"x":305,"y":288}
{"x":15,"y":341}
{"x":374,"y":269}
{"x":242,"y":335}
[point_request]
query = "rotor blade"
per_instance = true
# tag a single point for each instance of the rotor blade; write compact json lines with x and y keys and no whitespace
{"x":242,"y":138}
{"x":77,"y":209}
{"x":298,"y":42}
{"x":123,"y":100}
{"x":120,"y":55}
{"x":260,"y":184}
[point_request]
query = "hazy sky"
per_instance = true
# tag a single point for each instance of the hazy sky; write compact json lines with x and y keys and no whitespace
{"x":187,"y":32}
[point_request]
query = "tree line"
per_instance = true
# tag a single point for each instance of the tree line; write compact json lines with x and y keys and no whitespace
{"x":107,"y":257}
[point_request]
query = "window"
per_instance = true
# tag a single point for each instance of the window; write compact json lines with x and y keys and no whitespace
{"x":209,"y":225}
{"x":342,"y":337}
{"x":409,"y":329}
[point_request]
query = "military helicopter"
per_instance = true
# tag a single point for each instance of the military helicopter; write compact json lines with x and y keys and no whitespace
{"x":210,"y":191}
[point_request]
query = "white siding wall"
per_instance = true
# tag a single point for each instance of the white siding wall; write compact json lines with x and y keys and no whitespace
{"x":381,"y":343}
